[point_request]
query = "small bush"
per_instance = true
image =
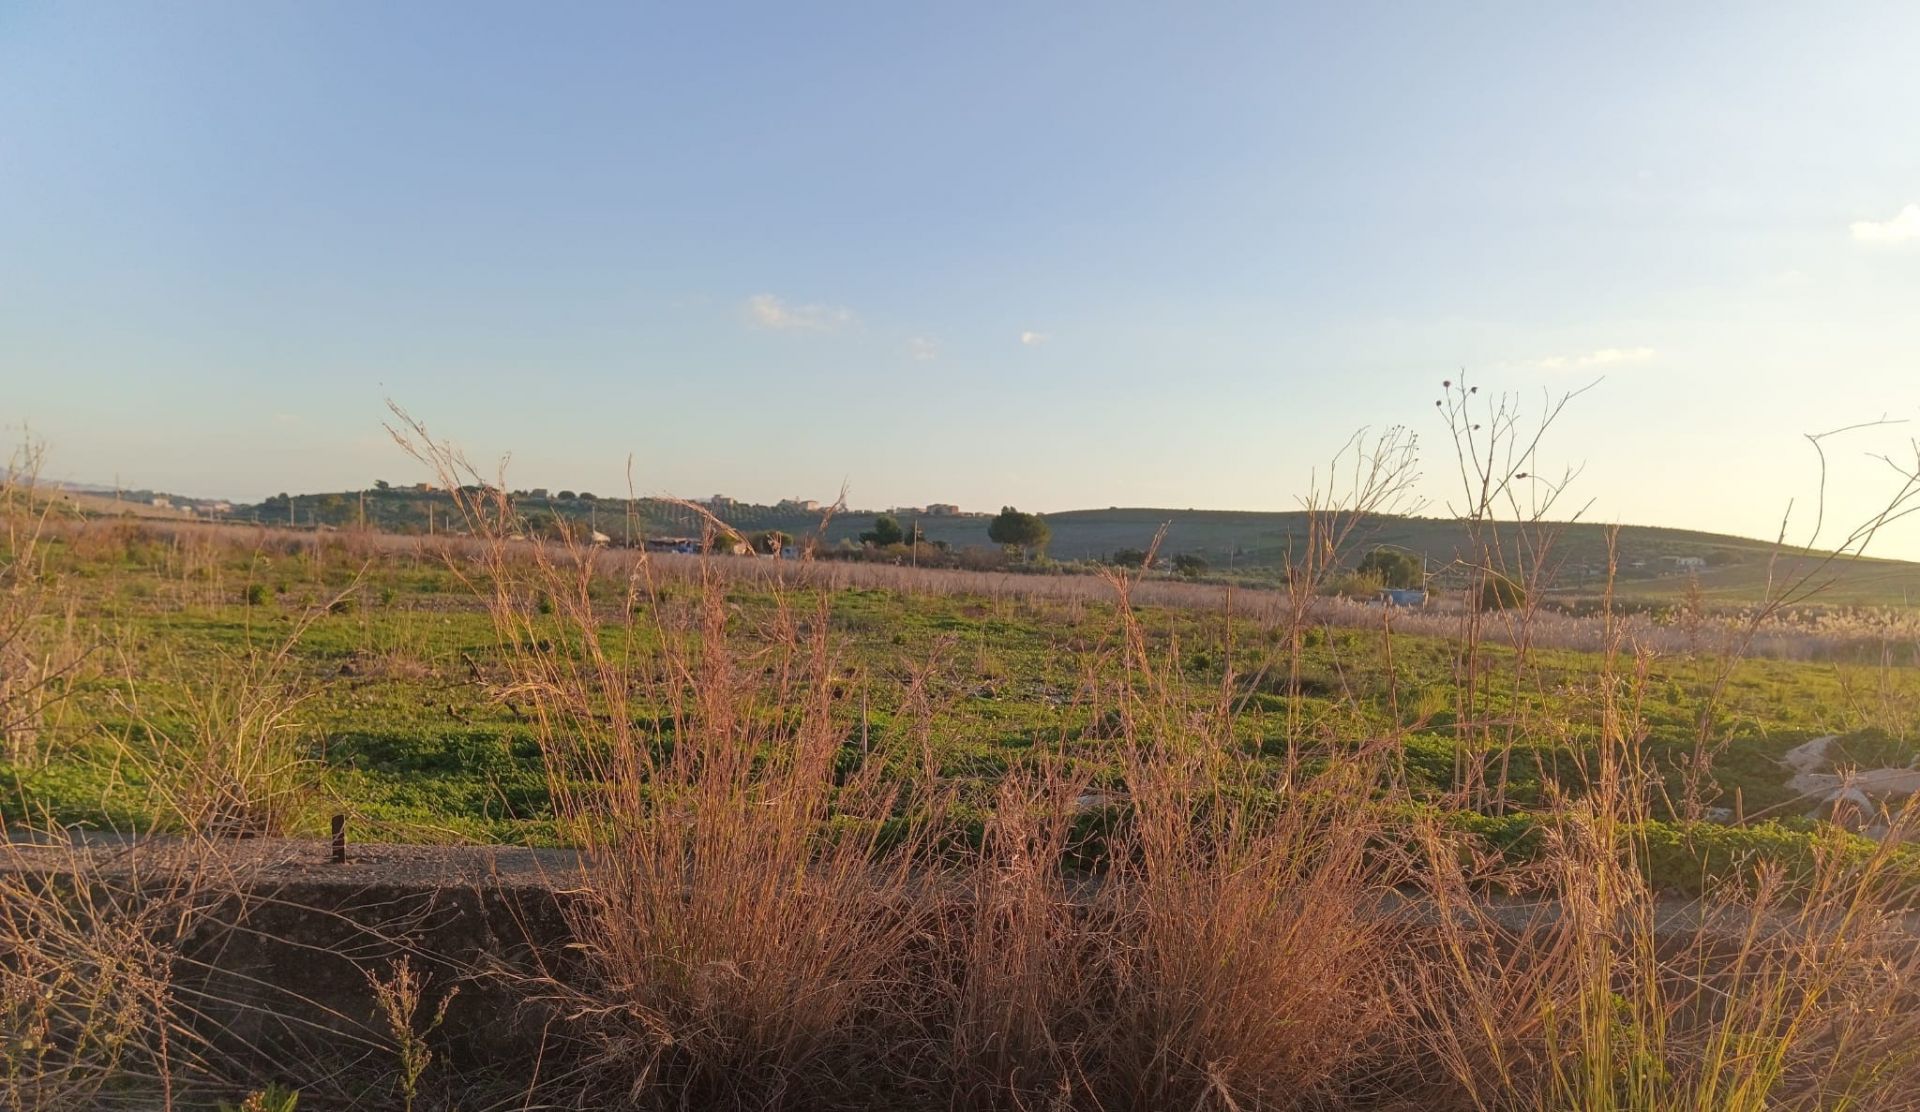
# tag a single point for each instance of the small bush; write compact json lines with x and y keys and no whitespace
{"x":1500,"y":592}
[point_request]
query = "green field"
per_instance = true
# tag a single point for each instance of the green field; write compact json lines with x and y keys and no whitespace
{"x":1248,"y":545}
{"x":398,"y":674}
{"x":905,"y":799}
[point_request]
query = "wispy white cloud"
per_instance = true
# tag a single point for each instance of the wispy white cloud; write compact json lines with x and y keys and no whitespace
{"x":764,"y":310}
{"x":1034,"y":339}
{"x":1904,"y":227}
{"x":923,"y":348}
{"x":1605,"y":357}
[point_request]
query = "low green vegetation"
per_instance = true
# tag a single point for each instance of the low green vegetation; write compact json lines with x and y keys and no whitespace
{"x":384,"y":674}
{"x":1115,"y":839}
{"x":1645,"y":565}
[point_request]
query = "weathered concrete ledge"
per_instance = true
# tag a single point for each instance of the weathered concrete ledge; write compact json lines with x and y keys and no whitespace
{"x":274,"y":961}
{"x":275,"y":964}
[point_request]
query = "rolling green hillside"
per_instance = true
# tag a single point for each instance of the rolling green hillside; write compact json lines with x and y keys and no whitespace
{"x":1737,"y":572}
{"x":1247,"y":542}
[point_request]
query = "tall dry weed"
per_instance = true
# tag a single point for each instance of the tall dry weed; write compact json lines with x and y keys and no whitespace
{"x":1572,"y":982}
{"x":39,"y":653}
{"x":741,"y":923}
{"x":221,"y":748}
{"x":767,"y":919}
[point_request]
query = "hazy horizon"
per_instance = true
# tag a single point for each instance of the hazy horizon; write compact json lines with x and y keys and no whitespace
{"x":1068,"y":258}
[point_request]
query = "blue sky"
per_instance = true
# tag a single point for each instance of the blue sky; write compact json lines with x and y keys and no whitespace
{"x":1053,"y":255}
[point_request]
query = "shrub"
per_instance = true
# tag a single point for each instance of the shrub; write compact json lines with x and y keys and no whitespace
{"x":886,"y":532}
{"x":223,"y":752}
{"x":1351,"y":585}
{"x":1393,"y":568}
{"x":770,"y":541}
{"x":1190,"y":564}
{"x":1500,"y":592}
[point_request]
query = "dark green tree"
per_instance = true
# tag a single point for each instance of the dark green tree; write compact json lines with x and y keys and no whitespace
{"x":886,"y":531}
{"x":1393,"y":568}
{"x":1013,"y":529}
{"x":1502,"y":593}
{"x":1190,"y":564}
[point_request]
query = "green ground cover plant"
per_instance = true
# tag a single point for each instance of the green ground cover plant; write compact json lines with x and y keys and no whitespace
{"x":869,"y":841}
{"x":403,"y":719}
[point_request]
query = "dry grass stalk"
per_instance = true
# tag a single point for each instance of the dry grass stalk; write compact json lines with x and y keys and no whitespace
{"x":38,"y":655}
{"x":740,"y":921}
{"x":93,"y":940}
{"x":82,"y":988}
{"x":749,"y":931}
{"x":223,"y":752}
{"x":1774,"y":991}
{"x":399,"y":995}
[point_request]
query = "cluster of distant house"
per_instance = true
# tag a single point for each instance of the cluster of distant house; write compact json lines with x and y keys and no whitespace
{"x":1666,"y":565}
{"x":206,"y":507}
{"x":1663,"y":565}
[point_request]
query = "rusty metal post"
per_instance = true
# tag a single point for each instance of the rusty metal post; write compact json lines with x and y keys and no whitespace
{"x":339,"y":839}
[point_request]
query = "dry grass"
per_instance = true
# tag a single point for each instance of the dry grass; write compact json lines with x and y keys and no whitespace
{"x":40,"y":650}
{"x":743,"y":927}
{"x":765,"y":929}
{"x":1803,"y":630}
{"x":224,"y":753}
{"x":1229,"y":953}
{"x":83,"y":982}
{"x":83,"y":987}
{"x":773,"y":912}
{"x":399,"y":995}
{"x":1773,"y":992}
{"x":753,"y":942}
{"x":106,"y":1000}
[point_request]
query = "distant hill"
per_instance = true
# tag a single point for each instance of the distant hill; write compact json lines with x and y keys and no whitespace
{"x":1648,"y":557}
{"x":101,"y":500}
{"x":1251,"y":544}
